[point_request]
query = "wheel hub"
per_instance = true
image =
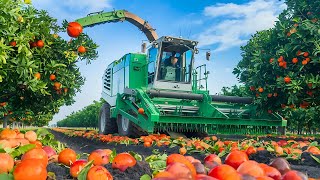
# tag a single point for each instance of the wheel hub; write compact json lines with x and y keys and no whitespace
{"x":124,"y":123}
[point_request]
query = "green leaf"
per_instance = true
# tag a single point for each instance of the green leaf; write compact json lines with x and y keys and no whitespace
{"x":315,"y":158}
{"x":83,"y":173}
{"x":6,"y":177}
{"x":314,"y":143}
{"x":137,"y":156}
{"x":112,"y":155}
{"x":21,"y":150}
{"x":145,"y":177}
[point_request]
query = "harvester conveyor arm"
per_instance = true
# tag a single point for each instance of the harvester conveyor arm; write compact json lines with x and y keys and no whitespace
{"x":116,"y":16}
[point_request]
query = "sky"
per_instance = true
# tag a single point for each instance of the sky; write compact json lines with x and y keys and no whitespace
{"x":220,"y":26}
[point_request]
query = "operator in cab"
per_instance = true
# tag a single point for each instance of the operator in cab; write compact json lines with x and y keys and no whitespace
{"x":171,"y":68}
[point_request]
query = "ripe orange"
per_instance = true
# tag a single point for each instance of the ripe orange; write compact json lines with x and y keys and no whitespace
{"x":30,"y":169}
{"x":37,"y":143}
{"x":74,"y":29}
{"x":8,"y":134}
{"x":183,"y":151}
{"x":6,"y":163}
{"x":261,"y":89}
{"x":31,"y":136}
{"x":251,"y":150}
{"x":147,"y":144}
{"x":287,"y":79}
{"x":179,"y":171}
{"x":65,"y":90}
{"x":33,"y":44}
{"x":57,"y":85}
{"x":294,"y":60}
{"x":141,"y":111}
{"x":235,"y":158}
{"x":52,"y":77}
{"x":270,"y":171}
{"x":99,"y":172}
{"x":98,"y":158}
{"x":122,"y":161}
{"x":67,"y":156}
{"x":224,"y":172}
{"x":76,"y":167}
{"x":304,"y":62}
{"x":82,"y":49}
{"x":251,"y":168}
{"x":37,"y":75}
{"x":36,"y":153}
{"x":307,"y":59}
{"x":172,"y":158}
{"x":13,"y":43}
{"x":40,"y":44}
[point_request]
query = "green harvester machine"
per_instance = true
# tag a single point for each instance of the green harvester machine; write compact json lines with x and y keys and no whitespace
{"x":160,"y":90}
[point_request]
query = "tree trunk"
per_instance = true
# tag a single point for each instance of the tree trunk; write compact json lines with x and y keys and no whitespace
{"x":5,"y":121}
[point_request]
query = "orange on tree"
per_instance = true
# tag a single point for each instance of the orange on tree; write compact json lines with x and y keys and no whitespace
{"x":37,"y":75}
{"x":13,"y":43}
{"x":81,"y":49}
{"x":40,"y":44}
{"x":28,"y":60}
{"x":74,"y":29}
{"x":294,"y":60}
{"x":287,"y":79}
{"x":52,"y":77}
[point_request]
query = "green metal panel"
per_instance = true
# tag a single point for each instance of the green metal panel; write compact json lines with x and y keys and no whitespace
{"x":138,"y":71}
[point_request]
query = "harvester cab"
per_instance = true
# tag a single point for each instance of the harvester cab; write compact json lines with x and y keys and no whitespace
{"x":162,"y":91}
{"x":170,"y":64}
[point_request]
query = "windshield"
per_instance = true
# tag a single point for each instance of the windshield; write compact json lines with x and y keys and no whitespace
{"x":175,"y":63}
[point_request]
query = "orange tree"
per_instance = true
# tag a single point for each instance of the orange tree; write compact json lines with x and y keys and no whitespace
{"x":87,"y":117}
{"x":38,"y":72}
{"x":280,"y":66}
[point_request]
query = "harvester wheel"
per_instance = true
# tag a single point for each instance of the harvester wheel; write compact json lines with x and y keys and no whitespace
{"x":128,"y":128}
{"x":106,"y":124}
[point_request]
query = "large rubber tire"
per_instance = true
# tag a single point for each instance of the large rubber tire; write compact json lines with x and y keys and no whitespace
{"x":128,"y":128}
{"x":106,"y":124}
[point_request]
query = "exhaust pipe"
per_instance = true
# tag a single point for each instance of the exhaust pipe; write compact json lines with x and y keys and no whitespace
{"x":190,"y":96}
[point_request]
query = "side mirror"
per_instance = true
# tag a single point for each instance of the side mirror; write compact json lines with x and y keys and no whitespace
{"x":143,"y":47}
{"x":208,"y":54}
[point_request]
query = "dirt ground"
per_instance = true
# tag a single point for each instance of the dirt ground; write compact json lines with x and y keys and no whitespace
{"x":82,"y":145}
